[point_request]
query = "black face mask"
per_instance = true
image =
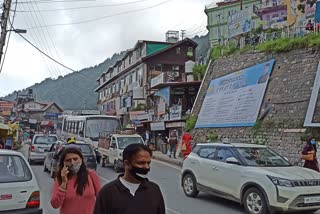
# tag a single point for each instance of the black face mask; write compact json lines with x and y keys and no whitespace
{"x":134,"y":171}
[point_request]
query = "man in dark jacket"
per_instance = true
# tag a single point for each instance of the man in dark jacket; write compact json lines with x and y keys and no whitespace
{"x":173,"y":142}
{"x":132,"y":193}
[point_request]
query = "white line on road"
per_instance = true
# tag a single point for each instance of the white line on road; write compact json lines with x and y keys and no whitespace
{"x":104,"y":179}
{"x":167,"y":164}
{"x":173,"y":211}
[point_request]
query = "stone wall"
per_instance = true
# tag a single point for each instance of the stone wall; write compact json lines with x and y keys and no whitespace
{"x":289,"y":90}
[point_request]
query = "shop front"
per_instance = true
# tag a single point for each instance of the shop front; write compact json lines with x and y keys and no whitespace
{"x":159,"y":134}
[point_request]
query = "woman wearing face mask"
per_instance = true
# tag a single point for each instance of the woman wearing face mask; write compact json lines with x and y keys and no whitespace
{"x":76,"y":187}
{"x":311,"y":148}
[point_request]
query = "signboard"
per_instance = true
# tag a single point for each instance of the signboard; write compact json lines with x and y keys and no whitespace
{"x":239,"y":22}
{"x":175,"y":124}
{"x":52,"y":114}
{"x":161,"y":108}
{"x":137,"y":92}
{"x":158,"y":126}
{"x":317,"y":13}
{"x":175,"y":113}
{"x":134,"y":115}
{"x":157,"y":80}
{"x":33,"y":121}
{"x":234,"y":100}
{"x":165,"y":94}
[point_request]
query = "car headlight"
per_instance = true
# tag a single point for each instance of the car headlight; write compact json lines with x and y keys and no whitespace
{"x":280,"y":181}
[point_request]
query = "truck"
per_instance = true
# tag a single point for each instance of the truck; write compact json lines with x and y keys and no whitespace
{"x":111,"y":146}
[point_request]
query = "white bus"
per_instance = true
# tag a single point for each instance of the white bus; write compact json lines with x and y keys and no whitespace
{"x":88,"y":128}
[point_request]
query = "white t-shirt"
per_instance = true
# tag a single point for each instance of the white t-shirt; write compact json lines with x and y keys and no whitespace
{"x":132,"y":187}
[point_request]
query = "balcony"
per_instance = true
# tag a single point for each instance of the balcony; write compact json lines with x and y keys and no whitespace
{"x":167,"y":77}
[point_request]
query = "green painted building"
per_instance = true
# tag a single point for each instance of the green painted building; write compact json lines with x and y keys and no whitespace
{"x":217,"y":15}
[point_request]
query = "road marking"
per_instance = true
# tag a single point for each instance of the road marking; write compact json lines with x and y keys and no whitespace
{"x":173,"y":211}
{"x":167,"y":164}
{"x":103,"y":179}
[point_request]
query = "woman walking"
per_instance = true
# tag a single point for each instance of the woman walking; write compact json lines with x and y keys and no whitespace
{"x":76,"y":187}
{"x":310,"y":149}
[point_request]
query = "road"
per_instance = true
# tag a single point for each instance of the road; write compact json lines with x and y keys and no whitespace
{"x":167,"y":176}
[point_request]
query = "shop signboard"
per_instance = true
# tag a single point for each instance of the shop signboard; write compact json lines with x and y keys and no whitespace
{"x":165,"y":94}
{"x":234,"y":100}
{"x":33,"y":121}
{"x":175,"y":124}
{"x":161,"y":108}
{"x":175,"y":113}
{"x":157,"y":126}
{"x":157,"y":80}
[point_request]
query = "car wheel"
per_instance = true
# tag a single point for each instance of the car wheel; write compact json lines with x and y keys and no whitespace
{"x":30,"y":161}
{"x":45,"y":169}
{"x":255,"y":202}
{"x":190,"y":186}
{"x":52,"y":173}
{"x":116,"y":167}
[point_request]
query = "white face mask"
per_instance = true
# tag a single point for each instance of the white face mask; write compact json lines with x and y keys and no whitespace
{"x":74,"y":168}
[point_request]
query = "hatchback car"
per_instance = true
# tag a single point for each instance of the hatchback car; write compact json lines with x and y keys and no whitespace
{"x":253,"y":175}
{"x":39,"y":146}
{"x":52,"y":157}
{"x":19,"y":190}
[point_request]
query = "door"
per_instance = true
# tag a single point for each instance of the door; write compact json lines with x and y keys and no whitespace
{"x":227,"y":175}
{"x":113,"y":150}
{"x":206,"y":177}
{"x":49,"y":156}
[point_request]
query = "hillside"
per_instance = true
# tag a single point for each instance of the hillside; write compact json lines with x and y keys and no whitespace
{"x":76,"y":90}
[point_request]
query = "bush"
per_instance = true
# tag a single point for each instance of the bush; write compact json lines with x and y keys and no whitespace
{"x":191,"y":122}
{"x":199,"y":71}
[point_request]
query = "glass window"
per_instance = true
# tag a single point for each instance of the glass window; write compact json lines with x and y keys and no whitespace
{"x":13,"y":168}
{"x":223,"y":154}
{"x":262,"y":157}
{"x":123,"y":142}
{"x":207,"y":152}
{"x":45,"y":139}
{"x":95,"y":126}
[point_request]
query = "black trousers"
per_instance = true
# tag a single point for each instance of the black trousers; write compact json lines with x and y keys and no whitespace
{"x":173,"y":149}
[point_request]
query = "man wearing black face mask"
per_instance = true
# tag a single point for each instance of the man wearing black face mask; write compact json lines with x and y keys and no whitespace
{"x":132,"y":193}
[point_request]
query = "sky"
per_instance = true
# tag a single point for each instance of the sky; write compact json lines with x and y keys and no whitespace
{"x":83,"y":33}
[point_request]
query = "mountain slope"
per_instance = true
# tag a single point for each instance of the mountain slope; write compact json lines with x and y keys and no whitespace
{"x":76,"y":90}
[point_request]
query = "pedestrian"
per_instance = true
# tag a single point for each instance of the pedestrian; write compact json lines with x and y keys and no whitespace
{"x":1,"y":143}
{"x":309,"y":26}
{"x":186,"y":147}
{"x":75,"y":187}
{"x":173,"y":142}
{"x":309,"y":154}
{"x":131,"y":192}
{"x":8,"y":143}
{"x":147,"y":138}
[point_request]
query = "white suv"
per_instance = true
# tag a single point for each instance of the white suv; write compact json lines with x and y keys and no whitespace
{"x":253,"y":175}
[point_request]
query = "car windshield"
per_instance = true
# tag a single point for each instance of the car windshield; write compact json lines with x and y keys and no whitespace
{"x":13,"y":168}
{"x":85,"y":148}
{"x":45,"y":139}
{"x":264,"y":157}
{"x":97,"y":125}
{"x":123,"y":142}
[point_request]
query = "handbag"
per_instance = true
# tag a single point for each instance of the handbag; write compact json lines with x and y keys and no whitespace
{"x":308,"y":157}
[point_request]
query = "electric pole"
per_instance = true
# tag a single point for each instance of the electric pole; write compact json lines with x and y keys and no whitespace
{"x":4,"y":23}
{"x":183,"y":32}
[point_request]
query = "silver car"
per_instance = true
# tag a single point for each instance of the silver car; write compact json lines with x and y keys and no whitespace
{"x":39,"y":146}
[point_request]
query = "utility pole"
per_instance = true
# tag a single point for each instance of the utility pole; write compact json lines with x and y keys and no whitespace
{"x":183,"y":32}
{"x":4,"y":23}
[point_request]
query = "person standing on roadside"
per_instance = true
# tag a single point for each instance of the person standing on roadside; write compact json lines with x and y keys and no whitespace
{"x":76,"y":187}
{"x":311,"y":148}
{"x":8,"y":143}
{"x":186,"y":147}
{"x":173,"y":142}
{"x":131,"y":192}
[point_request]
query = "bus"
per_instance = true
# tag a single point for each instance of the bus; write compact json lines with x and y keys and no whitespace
{"x":88,"y":128}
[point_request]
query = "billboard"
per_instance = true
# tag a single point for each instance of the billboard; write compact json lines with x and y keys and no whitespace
{"x":234,"y":100}
{"x":239,"y":22}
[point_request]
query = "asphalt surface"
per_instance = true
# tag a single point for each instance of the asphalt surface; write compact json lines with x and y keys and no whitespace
{"x":166,"y":176}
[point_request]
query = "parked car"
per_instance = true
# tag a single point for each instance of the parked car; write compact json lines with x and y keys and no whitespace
{"x":39,"y":146}
{"x":111,"y":149}
{"x":51,"y":160}
{"x":253,"y":175}
{"x":19,"y":190}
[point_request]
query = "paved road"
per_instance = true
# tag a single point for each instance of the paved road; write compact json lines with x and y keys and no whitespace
{"x":167,"y":177}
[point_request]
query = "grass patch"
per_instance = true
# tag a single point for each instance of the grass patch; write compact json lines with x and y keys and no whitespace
{"x":199,"y":71}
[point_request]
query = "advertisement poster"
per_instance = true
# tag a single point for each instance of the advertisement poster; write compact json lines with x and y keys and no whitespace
{"x":234,"y":100}
{"x":175,"y":113}
{"x":165,"y":94}
{"x":239,"y":22}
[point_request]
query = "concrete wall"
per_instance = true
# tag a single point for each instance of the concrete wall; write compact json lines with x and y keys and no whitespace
{"x":289,"y":91}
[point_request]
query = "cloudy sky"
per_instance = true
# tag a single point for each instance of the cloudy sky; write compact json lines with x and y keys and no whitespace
{"x":83,"y":33}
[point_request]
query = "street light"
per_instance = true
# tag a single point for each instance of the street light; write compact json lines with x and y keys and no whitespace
{"x":18,"y":30}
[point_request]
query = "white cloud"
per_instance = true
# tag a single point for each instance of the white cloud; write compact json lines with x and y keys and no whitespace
{"x":85,"y":45}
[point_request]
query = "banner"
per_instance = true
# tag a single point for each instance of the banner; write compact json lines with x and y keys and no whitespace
{"x":234,"y":100}
{"x":318,"y":12}
{"x":239,"y":22}
{"x":175,"y":113}
{"x":165,"y":94}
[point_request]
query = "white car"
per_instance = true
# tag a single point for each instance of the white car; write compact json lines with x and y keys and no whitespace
{"x":19,"y":190}
{"x":253,"y":175}
{"x":39,"y":147}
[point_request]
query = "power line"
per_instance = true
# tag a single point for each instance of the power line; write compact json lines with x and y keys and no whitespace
{"x":83,"y":7}
{"x":104,"y":17}
{"x":6,"y":50}
{"x":43,"y":1}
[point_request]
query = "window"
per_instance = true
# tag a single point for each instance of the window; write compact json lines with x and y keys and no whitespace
{"x":178,"y":51}
{"x":207,"y":152}
{"x":223,"y":154}
{"x":130,"y":59}
{"x":113,"y":88}
{"x":130,"y":78}
{"x":45,"y":140}
{"x":117,"y":86}
{"x":134,"y":76}
{"x":13,"y":169}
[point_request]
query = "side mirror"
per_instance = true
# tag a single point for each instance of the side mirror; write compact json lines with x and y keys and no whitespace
{"x":81,"y":134}
{"x":232,"y":160}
